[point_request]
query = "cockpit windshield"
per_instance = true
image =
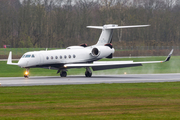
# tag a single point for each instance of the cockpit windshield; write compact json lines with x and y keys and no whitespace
{"x":32,"y":56}
{"x":23,"y":56}
{"x":27,"y":56}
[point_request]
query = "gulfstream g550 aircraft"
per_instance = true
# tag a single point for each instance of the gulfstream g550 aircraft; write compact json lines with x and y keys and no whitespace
{"x":82,"y":56}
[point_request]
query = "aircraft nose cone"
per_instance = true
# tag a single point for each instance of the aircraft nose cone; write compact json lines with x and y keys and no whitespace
{"x":22,"y":63}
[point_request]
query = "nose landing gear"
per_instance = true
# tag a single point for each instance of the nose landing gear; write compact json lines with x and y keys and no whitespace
{"x":26,"y":73}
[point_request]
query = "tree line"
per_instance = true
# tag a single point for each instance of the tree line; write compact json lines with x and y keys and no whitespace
{"x":62,"y":23}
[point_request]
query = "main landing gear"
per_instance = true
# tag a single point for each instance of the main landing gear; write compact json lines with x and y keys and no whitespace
{"x":26,"y":73}
{"x":63,"y":73}
{"x":88,"y":72}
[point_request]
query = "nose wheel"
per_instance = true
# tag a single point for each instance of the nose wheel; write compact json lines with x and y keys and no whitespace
{"x":26,"y":73}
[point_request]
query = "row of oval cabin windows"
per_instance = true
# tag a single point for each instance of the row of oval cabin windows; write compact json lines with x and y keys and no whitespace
{"x":56,"y":57}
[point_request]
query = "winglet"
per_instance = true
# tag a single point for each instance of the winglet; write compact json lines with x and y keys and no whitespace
{"x":9,"y":61}
{"x":169,"y":56}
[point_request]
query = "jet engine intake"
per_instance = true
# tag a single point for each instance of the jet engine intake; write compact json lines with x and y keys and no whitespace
{"x":95,"y":52}
{"x":102,"y":52}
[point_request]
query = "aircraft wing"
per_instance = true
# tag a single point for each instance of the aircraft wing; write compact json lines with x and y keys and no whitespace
{"x":104,"y":65}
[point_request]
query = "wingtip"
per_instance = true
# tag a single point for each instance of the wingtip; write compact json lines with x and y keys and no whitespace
{"x":9,"y":60}
{"x":169,"y":56}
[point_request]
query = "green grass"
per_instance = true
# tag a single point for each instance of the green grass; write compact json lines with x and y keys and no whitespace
{"x":168,"y":67}
{"x":101,"y":101}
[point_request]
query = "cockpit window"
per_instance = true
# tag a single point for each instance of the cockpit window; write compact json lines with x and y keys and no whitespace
{"x":32,"y":56}
{"x":27,"y":56}
{"x":23,"y":56}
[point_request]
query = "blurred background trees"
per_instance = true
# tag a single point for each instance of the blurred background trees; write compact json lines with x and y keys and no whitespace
{"x":61,"y":23}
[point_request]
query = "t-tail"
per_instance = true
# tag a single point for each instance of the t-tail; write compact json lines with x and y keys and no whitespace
{"x":107,"y":32}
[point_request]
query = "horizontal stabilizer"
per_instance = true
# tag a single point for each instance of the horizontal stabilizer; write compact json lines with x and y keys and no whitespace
{"x":107,"y":32}
{"x":96,"y":27}
{"x":116,"y":26}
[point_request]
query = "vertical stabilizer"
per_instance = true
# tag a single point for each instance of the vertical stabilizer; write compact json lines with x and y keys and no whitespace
{"x":106,"y":35}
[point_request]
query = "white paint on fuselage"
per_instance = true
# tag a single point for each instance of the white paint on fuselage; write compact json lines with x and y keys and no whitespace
{"x":81,"y":55}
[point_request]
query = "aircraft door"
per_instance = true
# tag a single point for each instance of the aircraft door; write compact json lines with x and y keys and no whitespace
{"x":41,"y":58}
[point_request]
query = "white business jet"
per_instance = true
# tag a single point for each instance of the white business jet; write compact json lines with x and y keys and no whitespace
{"x":81,"y":56}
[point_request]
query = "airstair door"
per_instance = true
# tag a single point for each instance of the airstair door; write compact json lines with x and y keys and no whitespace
{"x":41,"y":58}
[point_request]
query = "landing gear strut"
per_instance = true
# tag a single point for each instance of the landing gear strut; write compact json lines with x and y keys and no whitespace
{"x":63,"y":73}
{"x":26,"y":73}
{"x":88,"y":72}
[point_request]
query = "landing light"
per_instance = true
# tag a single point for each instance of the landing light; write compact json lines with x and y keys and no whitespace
{"x":26,"y":73}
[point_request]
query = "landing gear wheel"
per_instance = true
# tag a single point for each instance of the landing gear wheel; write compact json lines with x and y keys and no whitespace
{"x":88,"y":74}
{"x":26,"y":76}
{"x":63,"y":74}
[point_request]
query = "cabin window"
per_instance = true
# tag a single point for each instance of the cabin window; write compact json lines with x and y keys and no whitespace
{"x":74,"y":56}
{"x":65,"y":56}
{"x":47,"y":58}
{"x":51,"y":57}
{"x":60,"y":57}
{"x":69,"y":56}
{"x":56,"y":57}
{"x":32,"y":56}
{"x":27,"y":56}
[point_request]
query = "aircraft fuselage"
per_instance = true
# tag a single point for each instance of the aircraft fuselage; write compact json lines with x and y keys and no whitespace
{"x":63,"y":56}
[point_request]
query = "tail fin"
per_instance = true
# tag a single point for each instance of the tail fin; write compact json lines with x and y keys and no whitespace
{"x":107,"y":32}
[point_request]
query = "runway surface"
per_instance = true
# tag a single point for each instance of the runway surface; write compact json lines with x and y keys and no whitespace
{"x":96,"y":79}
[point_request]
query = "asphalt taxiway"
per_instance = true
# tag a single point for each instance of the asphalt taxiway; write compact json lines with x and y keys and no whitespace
{"x":95,"y":79}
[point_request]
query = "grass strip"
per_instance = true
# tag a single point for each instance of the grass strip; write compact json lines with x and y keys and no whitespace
{"x":99,"y":101}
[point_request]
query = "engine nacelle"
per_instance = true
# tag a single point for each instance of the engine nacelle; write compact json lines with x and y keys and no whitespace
{"x":95,"y":52}
{"x":101,"y":51}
